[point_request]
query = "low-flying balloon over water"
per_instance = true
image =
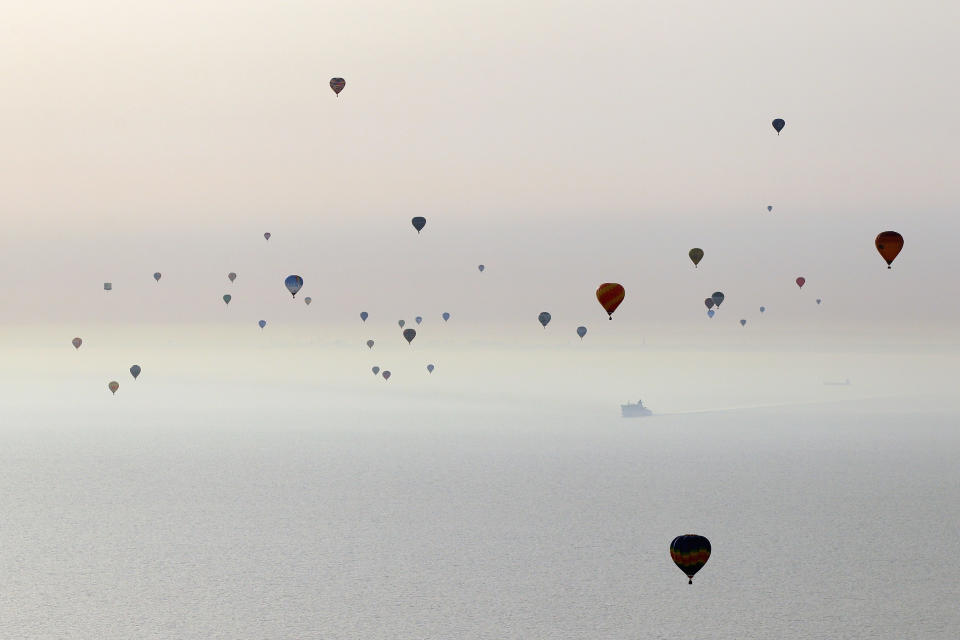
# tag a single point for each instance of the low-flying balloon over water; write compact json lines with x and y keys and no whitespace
{"x":418,"y":319}
{"x":409,"y":335}
{"x":364,"y":315}
{"x":293,"y":284}
{"x":429,"y":368}
{"x":762,"y":309}
{"x":307,"y":300}
{"x":769,"y":207}
{"x":480,"y":267}
{"x":135,"y":371}
{"x":544,"y":318}
{"x":717,"y":298}
{"x":386,"y":375}
{"x":581,"y":331}
{"x":711,"y":313}
{"x":446,"y":316}
{"x":227,"y":298}
{"x":76,"y":343}
{"x":231,"y":276}
{"x":610,"y":295}
{"x":401,"y":323}
{"x":376,"y":370}
{"x":266,"y":236}
{"x":696,"y":255}
{"x":156,"y":276}
{"x":113,"y":386}
{"x":889,"y":244}
{"x":419,"y":223}
{"x":801,"y":281}
{"x":743,"y":322}
{"x":370,"y":344}
{"x":337,"y":84}
{"x":690,"y":552}
{"x":262,"y":323}
{"x":779,"y":124}
{"x":708,"y":302}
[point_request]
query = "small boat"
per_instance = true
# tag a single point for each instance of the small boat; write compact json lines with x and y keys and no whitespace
{"x":635,"y":410}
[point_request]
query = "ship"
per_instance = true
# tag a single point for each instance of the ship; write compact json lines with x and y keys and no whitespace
{"x":635,"y":410}
{"x":845,"y":383}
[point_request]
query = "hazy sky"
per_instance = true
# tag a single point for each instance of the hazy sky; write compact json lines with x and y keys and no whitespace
{"x":562,"y":144}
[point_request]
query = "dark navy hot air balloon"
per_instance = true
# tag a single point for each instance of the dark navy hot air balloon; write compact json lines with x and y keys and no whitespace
{"x":779,"y":124}
{"x":743,"y":322}
{"x":262,"y":323}
{"x":156,"y":276}
{"x":690,"y":552}
{"x":364,"y":315}
{"x":769,"y":207}
{"x":708,"y":302}
{"x":544,"y":318}
{"x":135,"y":371}
{"x":409,"y":335}
{"x":717,"y":298}
{"x":581,"y":331}
{"x":762,"y":309}
{"x":419,"y":223}
{"x":481,"y":267}
{"x":293,"y":284}
{"x":430,"y":368}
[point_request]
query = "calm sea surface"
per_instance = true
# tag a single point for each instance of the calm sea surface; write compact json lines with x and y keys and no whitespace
{"x":826,"y":522}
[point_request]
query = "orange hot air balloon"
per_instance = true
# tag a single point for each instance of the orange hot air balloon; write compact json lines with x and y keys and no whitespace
{"x":610,"y":295}
{"x":889,"y":244}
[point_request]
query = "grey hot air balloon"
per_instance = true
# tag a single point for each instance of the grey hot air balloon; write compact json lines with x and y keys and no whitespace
{"x":135,"y":371}
{"x":307,"y":300}
{"x":76,"y":343}
{"x":227,"y":298}
{"x":386,"y":375}
{"x":581,"y":331}
{"x":409,"y":334}
{"x":429,"y":368}
{"x":544,"y":318}
{"x":419,"y":223}
{"x":401,"y":323}
{"x":232,"y":276}
{"x":156,"y":276}
{"x":376,"y":370}
{"x":370,"y":344}
{"x":717,"y":298}
{"x":819,"y":301}
{"x":266,"y":236}
{"x":108,"y":286}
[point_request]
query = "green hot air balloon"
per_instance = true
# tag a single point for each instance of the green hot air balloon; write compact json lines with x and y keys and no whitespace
{"x":696,"y":255}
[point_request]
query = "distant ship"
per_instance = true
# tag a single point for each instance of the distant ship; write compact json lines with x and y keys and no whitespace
{"x":845,"y":383}
{"x":635,"y":410}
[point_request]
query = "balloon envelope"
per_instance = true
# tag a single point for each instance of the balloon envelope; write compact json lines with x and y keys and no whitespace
{"x":708,"y":302}
{"x":76,"y":343}
{"x":419,"y":223}
{"x":581,"y":331}
{"x":293,"y":284}
{"x":262,"y":323}
{"x":418,"y":319}
{"x":307,"y":300}
{"x":762,"y":309}
{"x":370,"y":344}
{"x":430,"y":368}
{"x":696,"y":255}
{"x":227,"y":298}
{"x":481,"y":267}
{"x":743,"y":322}
{"x":544,"y":319}
{"x":690,"y":553}
{"x":376,"y":370}
{"x":156,"y":276}
{"x":113,"y":386}
{"x":610,"y":295}
{"x":800,"y":281}
{"x":409,"y":334}
{"x":231,"y":276}
{"x":889,"y":244}
{"x":710,"y":313}
{"x":386,"y":375}
{"x":337,"y":84}
{"x":717,"y":298}
{"x":135,"y":371}
{"x":108,"y":286}
{"x":819,"y":301}
{"x":446,"y":316}
{"x":401,"y":323}
{"x":779,"y":124}
{"x":364,"y":315}
{"x":769,"y":207}
{"x":267,"y":235}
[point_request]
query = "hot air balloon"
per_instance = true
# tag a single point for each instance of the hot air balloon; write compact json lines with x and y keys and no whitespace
{"x":418,"y":319}
{"x":769,"y":207}
{"x":370,"y":344}
{"x":364,"y":315}
{"x":108,"y":286}
{"x":231,"y":276}
{"x":135,"y":371}
{"x":717,"y":298}
{"x":156,"y":276}
{"x":409,"y":334}
{"x":800,"y":281}
{"x":819,"y":301}
{"x":419,"y":223}
{"x":708,"y":302}
{"x":337,"y":84}
{"x":696,"y":255}
{"x":743,"y":322}
{"x":293,"y":284}
{"x":690,"y":553}
{"x":481,"y":267}
{"x":710,"y":313}
{"x":446,"y":316}
{"x":376,"y":370}
{"x":76,"y":343}
{"x":113,"y":386}
{"x":386,"y":375}
{"x":430,"y":368}
{"x":762,"y":309}
{"x":267,"y":235}
{"x":307,"y":300}
{"x":262,"y":323}
{"x":401,"y":323}
{"x":544,"y":319}
{"x":581,"y":331}
{"x":227,"y":298}
{"x":779,"y":124}
{"x":610,"y":295}
{"x":889,"y":244}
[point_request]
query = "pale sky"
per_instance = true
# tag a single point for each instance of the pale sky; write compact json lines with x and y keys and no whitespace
{"x":561,"y":144}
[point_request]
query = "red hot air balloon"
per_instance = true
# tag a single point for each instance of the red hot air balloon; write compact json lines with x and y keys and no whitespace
{"x":889,"y":244}
{"x":610,"y":295}
{"x":800,"y":281}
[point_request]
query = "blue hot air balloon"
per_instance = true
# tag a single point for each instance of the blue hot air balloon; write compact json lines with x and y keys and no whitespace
{"x":419,"y":223}
{"x":401,"y":323}
{"x":743,"y":322}
{"x":418,"y":319}
{"x":711,"y":313}
{"x":308,"y":300}
{"x":779,"y":124}
{"x":293,"y":284}
{"x":429,"y":368}
{"x":762,"y":309}
{"x":544,"y":318}
{"x":819,"y":301}
{"x":481,"y":267}
{"x":375,"y":370}
{"x":364,"y":315}
{"x":227,"y":298}
{"x":446,"y":316}
{"x":769,"y":207}
{"x":156,"y":276}
{"x":135,"y":371}
{"x":262,"y":323}
{"x":581,"y":331}
{"x":370,"y":344}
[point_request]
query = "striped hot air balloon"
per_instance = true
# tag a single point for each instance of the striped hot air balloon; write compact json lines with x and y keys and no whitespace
{"x":610,"y":295}
{"x":690,"y":552}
